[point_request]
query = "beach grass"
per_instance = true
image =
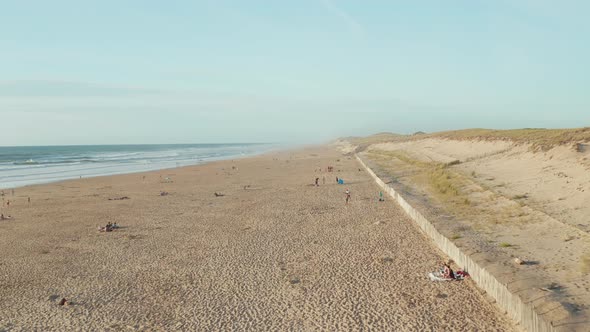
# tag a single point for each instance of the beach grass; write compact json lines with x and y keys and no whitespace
{"x":539,"y":139}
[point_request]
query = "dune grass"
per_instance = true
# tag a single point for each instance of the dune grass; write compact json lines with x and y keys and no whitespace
{"x":585,"y":264}
{"x":451,"y":187}
{"x":540,"y":139}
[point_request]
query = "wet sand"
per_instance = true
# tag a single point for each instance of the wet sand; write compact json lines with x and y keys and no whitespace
{"x":273,"y":253}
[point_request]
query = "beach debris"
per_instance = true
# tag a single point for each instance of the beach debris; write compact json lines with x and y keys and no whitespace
{"x":3,"y":217}
{"x":119,"y":198}
{"x":164,"y":193}
{"x":519,"y":261}
{"x":219,"y":194}
{"x":63,"y":301}
{"x":294,"y":280}
{"x":385,"y":260}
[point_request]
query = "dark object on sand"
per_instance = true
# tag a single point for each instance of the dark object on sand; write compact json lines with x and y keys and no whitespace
{"x":218,"y":194}
{"x":164,"y":193}
{"x":63,"y":301}
{"x":108,"y":228}
{"x":119,"y":198}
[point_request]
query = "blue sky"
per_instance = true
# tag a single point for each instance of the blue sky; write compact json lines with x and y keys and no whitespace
{"x":107,"y":72}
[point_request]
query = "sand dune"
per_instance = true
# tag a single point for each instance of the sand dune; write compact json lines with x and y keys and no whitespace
{"x":273,"y":253}
{"x":508,"y":200}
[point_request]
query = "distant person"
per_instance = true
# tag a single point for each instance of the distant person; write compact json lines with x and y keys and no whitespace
{"x":317,"y":182}
{"x":29,"y":199}
{"x":337,"y":179}
{"x":8,"y":203}
{"x":347,"y":195}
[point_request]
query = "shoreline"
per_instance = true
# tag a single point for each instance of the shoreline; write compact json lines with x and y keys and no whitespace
{"x":197,"y":163}
{"x":273,"y":252}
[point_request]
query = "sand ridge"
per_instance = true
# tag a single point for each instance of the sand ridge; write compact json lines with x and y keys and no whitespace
{"x":273,"y":253}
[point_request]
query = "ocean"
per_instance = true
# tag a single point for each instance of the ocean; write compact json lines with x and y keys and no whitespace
{"x":21,"y":166}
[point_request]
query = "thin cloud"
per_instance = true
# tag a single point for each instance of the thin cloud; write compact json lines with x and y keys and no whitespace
{"x":353,"y":25}
{"x":58,"y":88}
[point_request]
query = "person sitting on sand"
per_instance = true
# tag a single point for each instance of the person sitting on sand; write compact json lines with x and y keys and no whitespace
{"x":447,"y":271}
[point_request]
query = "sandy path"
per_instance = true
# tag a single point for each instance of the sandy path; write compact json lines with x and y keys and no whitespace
{"x":278,"y":255}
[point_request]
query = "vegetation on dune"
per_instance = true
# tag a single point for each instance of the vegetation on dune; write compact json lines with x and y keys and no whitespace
{"x":540,"y":139}
{"x":450,"y":187}
{"x":585,"y":264}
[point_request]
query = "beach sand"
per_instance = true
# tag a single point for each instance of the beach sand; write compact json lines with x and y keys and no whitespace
{"x":274,"y":253}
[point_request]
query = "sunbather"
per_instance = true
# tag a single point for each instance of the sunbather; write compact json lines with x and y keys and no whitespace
{"x":447,"y":271}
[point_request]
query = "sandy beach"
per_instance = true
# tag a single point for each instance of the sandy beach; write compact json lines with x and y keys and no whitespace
{"x":272,"y":252}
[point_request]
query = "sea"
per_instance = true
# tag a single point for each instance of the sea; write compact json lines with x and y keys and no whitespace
{"x":27,"y":165}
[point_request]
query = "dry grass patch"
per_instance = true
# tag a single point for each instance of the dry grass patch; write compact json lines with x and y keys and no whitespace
{"x":585,"y":264}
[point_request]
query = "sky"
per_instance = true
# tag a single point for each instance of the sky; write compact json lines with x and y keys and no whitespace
{"x":132,"y":72}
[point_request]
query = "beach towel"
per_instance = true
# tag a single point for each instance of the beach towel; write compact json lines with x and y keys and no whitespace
{"x":436,"y":276}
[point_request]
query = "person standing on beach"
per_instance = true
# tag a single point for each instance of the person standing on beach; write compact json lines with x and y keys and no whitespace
{"x":317,"y":182}
{"x":347,"y":195}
